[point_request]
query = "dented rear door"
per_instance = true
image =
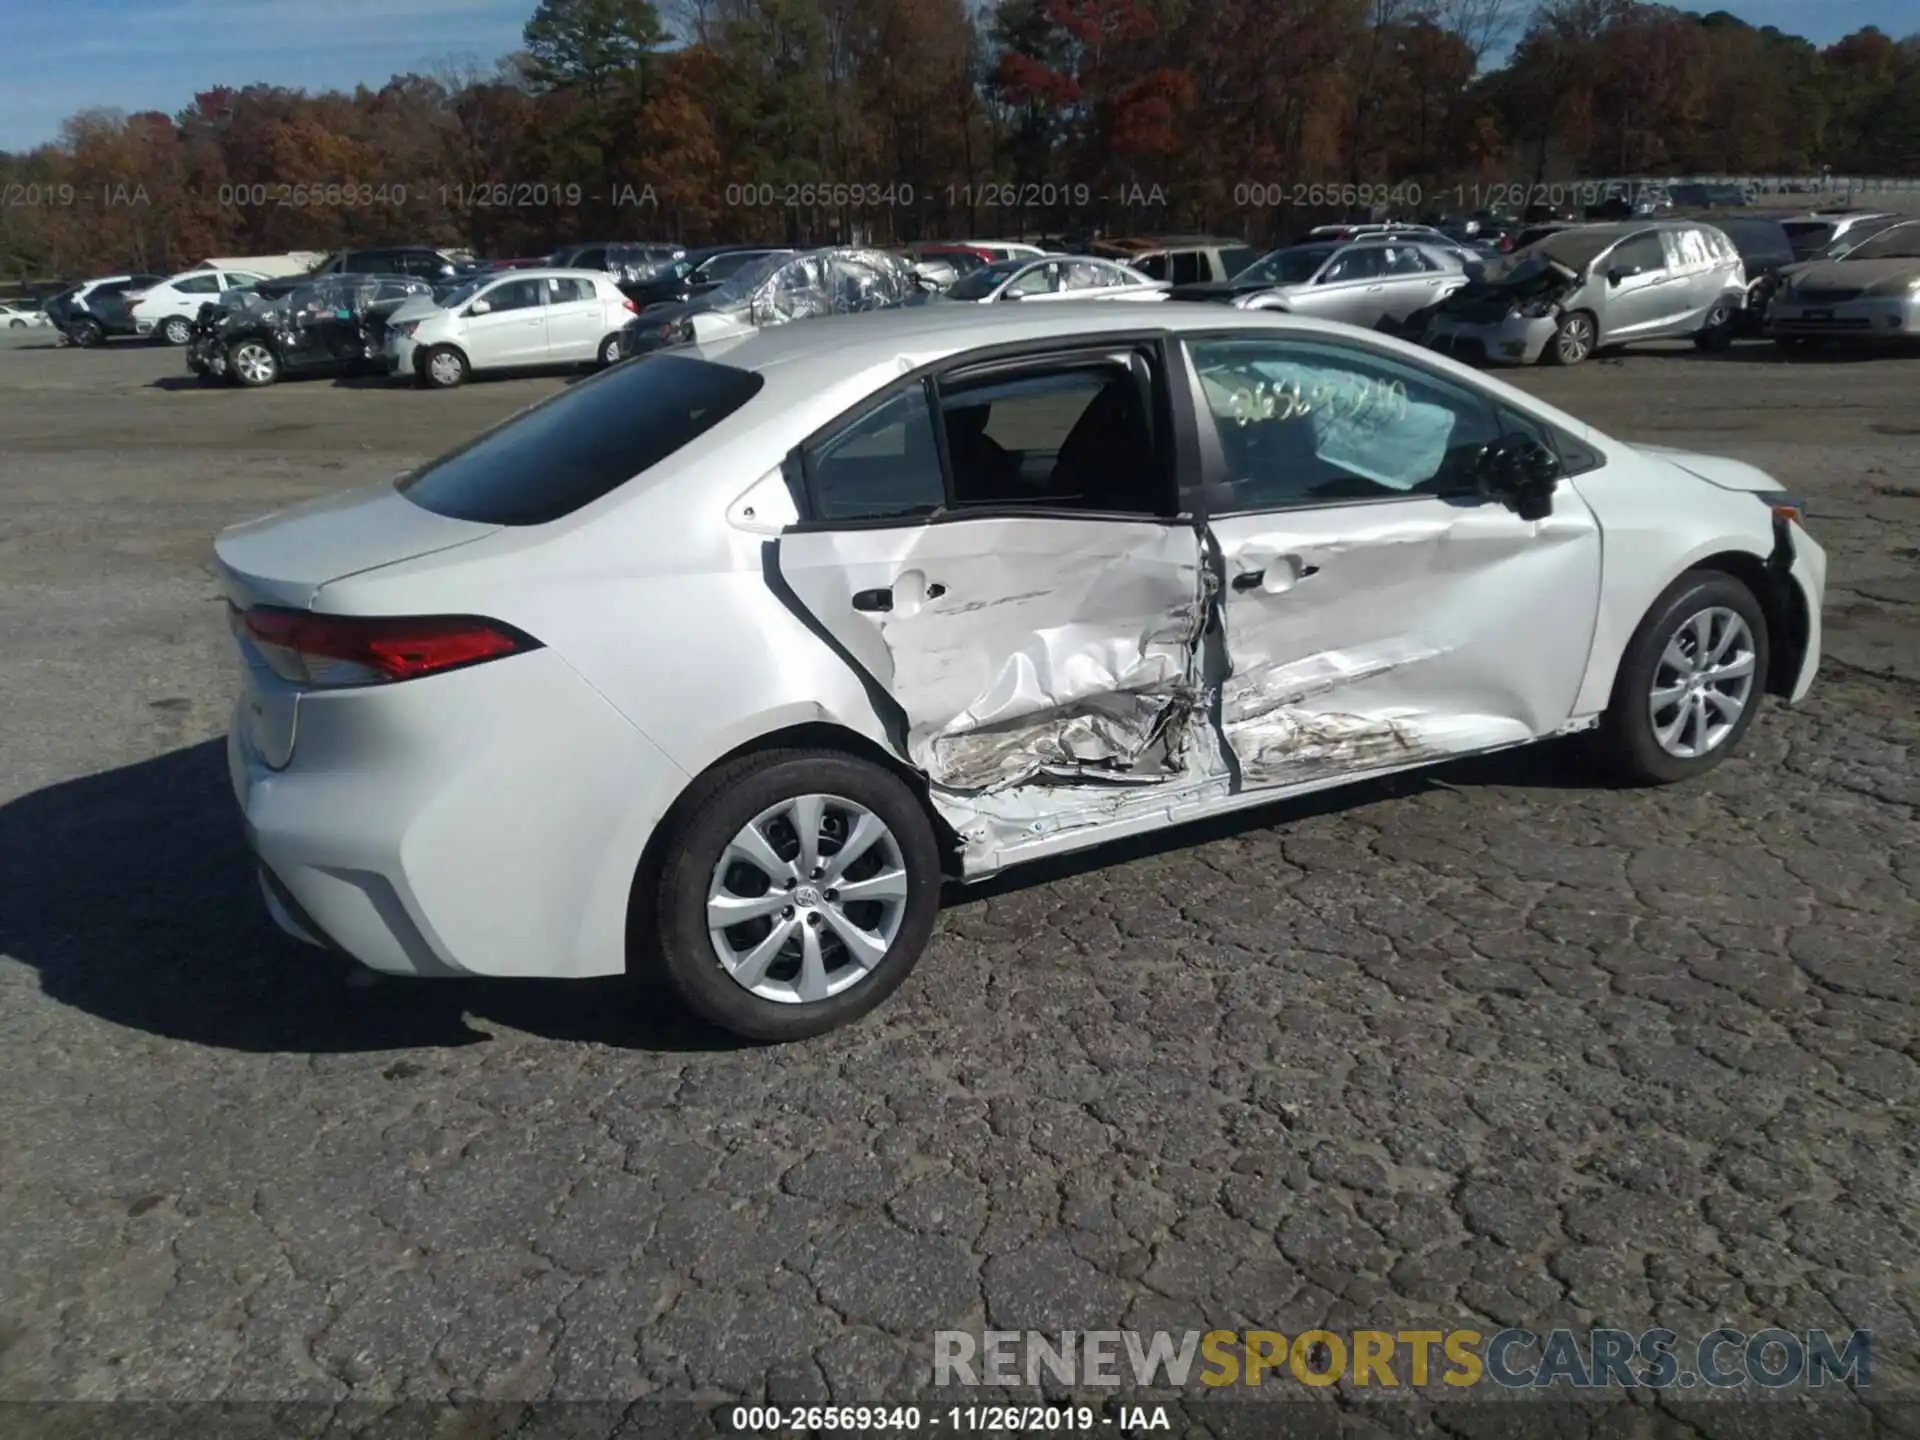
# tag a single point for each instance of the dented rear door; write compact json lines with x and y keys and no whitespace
{"x":1375,"y":613}
{"x":1016,"y":648}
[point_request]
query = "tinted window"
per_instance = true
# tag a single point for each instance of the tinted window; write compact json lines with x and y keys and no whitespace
{"x":595,"y":259}
{"x":1189,"y":266}
{"x":1641,"y":255}
{"x":514,"y":295}
{"x":1154,"y":267}
{"x":1760,"y":242}
{"x":1362,"y":263}
{"x":584,"y":443}
{"x":1901,"y":242}
{"x":1304,"y":422}
{"x":721,"y":266}
{"x":1236,"y":258}
{"x":365,"y":262}
{"x":197,"y":285}
{"x":884,"y":465}
{"x":1075,"y":438}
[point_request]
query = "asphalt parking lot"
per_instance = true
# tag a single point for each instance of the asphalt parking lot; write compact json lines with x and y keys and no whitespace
{"x":1491,"y":1046}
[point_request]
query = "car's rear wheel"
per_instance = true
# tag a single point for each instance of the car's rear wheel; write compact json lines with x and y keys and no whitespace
{"x":253,"y":364}
{"x":1690,"y":682}
{"x":1717,"y":333}
{"x":176,"y":330}
{"x":16,"y":324}
{"x":610,"y":351}
{"x":799,"y":891}
{"x":87,"y":334}
{"x":1573,"y":341}
{"x":443,"y":368}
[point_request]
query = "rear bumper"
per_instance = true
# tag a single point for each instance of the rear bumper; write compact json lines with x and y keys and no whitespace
{"x":484,"y":822}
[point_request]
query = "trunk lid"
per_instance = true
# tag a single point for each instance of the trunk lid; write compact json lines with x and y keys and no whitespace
{"x":285,"y":558}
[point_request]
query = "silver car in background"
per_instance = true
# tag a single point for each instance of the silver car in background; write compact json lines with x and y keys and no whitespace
{"x":1598,"y":285}
{"x":1364,"y":282}
{"x":1872,"y":293}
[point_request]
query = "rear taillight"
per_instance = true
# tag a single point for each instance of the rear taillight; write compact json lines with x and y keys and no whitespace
{"x":337,"y":650}
{"x":631,"y":306}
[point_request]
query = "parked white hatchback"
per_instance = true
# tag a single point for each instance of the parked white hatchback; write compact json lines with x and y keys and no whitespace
{"x":511,"y":320}
{"x":168,"y":309}
{"x":739,"y":648}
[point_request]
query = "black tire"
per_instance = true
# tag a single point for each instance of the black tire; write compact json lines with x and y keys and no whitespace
{"x":1717,"y":334}
{"x":443,"y":368}
{"x":1625,"y":742}
{"x":1574,"y":341}
{"x":610,"y":351}
{"x":718,"y":807}
{"x":87,"y":334}
{"x":176,"y":330}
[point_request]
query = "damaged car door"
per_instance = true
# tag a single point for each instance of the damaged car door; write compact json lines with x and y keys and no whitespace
{"x":998,"y":550}
{"x":1391,"y":593}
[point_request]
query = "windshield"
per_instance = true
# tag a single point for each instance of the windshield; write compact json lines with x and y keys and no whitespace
{"x":739,"y":287}
{"x":1900,"y":242}
{"x":465,"y":291}
{"x":1295,"y":265}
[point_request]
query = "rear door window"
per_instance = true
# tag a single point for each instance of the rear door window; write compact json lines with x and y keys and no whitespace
{"x":1189,"y":266}
{"x":584,"y":443}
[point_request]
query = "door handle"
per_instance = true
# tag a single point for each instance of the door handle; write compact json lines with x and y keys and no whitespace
{"x":871,"y":600}
{"x":1293,"y":570}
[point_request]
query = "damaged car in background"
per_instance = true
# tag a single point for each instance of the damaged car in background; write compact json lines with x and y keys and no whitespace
{"x":777,"y":288}
{"x":1369,"y":282}
{"x":1594,"y":286}
{"x":1870,"y":295}
{"x":330,"y":325}
{"x":733,"y":653}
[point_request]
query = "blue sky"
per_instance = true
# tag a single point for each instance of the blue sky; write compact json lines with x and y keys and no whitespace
{"x":61,"y":56}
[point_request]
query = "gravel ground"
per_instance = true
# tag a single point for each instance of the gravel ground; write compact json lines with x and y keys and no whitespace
{"x":1486,"y":1046}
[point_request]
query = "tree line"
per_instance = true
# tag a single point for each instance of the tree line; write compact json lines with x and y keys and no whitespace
{"x":895,"y":120}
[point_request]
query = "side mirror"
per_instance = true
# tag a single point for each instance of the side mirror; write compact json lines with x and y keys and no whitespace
{"x":1520,"y":473}
{"x":1617,"y":274}
{"x":479,"y":307}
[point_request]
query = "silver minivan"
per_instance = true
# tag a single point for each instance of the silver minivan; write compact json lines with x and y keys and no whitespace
{"x":1593,"y":286}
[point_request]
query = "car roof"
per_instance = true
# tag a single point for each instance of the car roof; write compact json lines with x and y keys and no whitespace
{"x":834,"y":347}
{"x":542,"y":272}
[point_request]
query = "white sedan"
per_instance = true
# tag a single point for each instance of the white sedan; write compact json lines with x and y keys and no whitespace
{"x":741,"y":648}
{"x":169,"y":308}
{"x":16,"y":315}
{"x":1053,"y":278}
{"x":510,"y":320}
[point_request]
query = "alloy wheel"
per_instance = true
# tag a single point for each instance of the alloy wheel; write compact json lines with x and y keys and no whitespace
{"x":253,"y":363}
{"x":807,"y":899}
{"x":1575,"y":340}
{"x":1702,"y":683}
{"x":177,"y":331}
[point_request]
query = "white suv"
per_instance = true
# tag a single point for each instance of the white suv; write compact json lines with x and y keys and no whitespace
{"x":168,"y":309}
{"x":509,"y":320}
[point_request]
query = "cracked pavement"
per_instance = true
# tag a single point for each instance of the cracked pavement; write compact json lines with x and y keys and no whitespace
{"x":1492,"y":1045}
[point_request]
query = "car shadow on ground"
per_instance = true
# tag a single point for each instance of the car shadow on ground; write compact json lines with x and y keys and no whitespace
{"x":132,"y":893}
{"x":1765,"y":352}
{"x":182,"y":382}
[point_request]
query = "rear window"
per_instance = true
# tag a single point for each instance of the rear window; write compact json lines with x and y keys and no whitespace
{"x":582,"y":444}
